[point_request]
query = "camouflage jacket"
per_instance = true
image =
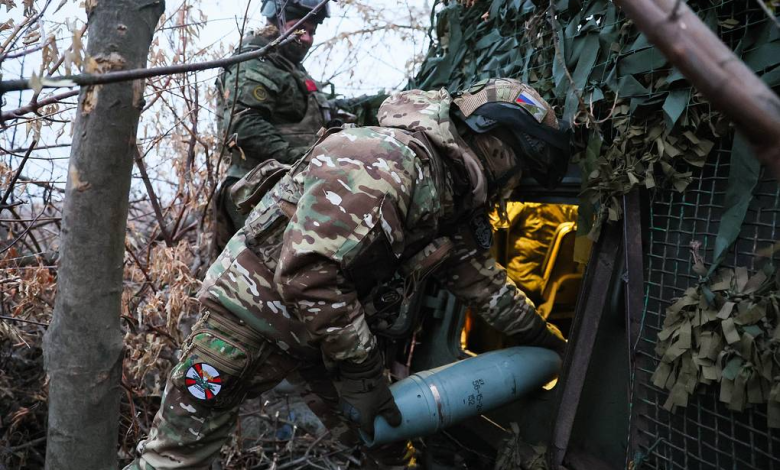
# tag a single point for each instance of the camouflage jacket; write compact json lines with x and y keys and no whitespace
{"x":277,"y":113}
{"x":362,"y":205}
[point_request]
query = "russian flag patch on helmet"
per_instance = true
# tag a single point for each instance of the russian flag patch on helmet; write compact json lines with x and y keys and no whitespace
{"x":525,"y":98}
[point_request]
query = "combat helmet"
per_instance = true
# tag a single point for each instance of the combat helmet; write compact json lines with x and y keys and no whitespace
{"x":519,"y":117}
{"x":282,"y":10}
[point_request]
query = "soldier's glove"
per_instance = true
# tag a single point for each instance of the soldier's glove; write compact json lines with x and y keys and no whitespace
{"x":365,"y":394}
{"x":544,"y":335}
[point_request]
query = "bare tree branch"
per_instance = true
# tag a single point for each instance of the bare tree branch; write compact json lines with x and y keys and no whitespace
{"x":24,"y":52}
{"x":16,"y":176}
{"x":40,"y":147}
{"x":153,"y":199}
{"x":34,"y":106}
{"x":11,"y":41}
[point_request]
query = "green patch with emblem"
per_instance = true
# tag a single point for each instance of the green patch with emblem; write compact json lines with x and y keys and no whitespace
{"x":260,"y":93}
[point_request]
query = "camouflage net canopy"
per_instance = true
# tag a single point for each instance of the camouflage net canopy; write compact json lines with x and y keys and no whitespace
{"x":640,"y":124}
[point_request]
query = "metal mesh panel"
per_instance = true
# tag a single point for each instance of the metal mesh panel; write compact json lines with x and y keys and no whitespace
{"x":705,"y":434}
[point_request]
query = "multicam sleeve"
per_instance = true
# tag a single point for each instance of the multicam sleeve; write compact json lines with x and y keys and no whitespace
{"x":258,"y":95}
{"x":473,"y":276}
{"x":355,"y":190}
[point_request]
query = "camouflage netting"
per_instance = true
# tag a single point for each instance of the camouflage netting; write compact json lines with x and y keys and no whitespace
{"x":640,"y":124}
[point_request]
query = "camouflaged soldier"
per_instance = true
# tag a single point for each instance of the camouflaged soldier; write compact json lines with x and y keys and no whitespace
{"x":293,"y":289}
{"x":276,"y":106}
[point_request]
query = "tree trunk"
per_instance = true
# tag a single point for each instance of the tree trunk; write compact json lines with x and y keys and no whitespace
{"x":83,"y":347}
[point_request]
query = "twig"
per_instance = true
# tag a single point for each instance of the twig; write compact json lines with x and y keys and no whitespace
{"x":35,"y":105}
{"x":135,"y":422}
{"x":611,"y":111}
{"x":305,"y":454}
{"x":193,"y":140}
{"x":140,"y":266}
{"x":41,"y":147}
{"x":11,"y":41}
{"x":13,"y":35}
{"x":158,"y":93}
{"x":88,"y":79}
{"x":38,"y":248}
{"x":24,"y":52}
{"x":16,"y":176}
{"x":47,"y":219}
{"x":42,"y":184}
{"x":177,"y":222}
{"x":180,"y":234}
{"x":162,"y":332}
{"x":180,"y":121}
{"x":26,"y":230}
{"x":153,"y":198}
{"x":23,"y":321}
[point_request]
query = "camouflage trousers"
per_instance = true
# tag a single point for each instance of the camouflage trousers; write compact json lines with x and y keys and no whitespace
{"x":223,"y":363}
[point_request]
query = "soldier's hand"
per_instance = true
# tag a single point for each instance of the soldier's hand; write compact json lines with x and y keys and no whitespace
{"x":365,"y":394}
{"x":543,"y":335}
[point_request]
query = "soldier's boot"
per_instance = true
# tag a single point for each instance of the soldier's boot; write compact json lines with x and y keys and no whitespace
{"x":199,"y":408}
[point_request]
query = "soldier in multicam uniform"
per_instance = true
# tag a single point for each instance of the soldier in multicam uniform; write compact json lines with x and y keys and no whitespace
{"x":292,"y":289}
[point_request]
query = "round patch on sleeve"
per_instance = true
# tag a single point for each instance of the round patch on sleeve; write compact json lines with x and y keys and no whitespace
{"x":260,"y":93}
{"x":203,"y":381}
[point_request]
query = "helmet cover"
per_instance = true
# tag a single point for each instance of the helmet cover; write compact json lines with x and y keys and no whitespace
{"x":294,"y":9}
{"x":516,"y":114}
